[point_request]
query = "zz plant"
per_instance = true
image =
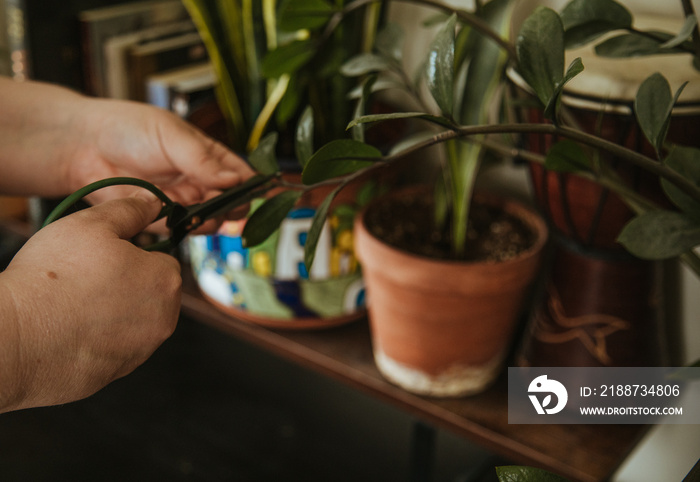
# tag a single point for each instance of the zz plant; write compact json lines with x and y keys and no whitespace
{"x":464,"y":75}
{"x":464,"y":72}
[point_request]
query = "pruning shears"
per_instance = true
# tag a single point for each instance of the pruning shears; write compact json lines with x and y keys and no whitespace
{"x":180,"y":220}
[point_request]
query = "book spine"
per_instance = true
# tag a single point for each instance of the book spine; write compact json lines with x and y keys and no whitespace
{"x":16,"y":25}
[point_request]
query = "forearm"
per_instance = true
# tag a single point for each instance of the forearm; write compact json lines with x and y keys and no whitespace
{"x":40,"y":130}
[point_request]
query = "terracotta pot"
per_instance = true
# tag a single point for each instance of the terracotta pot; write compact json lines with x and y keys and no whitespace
{"x":443,"y":328}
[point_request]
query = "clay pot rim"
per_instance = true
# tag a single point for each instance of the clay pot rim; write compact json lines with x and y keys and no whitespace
{"x":527,"y":214}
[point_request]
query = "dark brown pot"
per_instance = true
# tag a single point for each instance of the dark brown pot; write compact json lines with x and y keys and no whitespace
{"x":443,"y":328}
{"x":598,"y":310}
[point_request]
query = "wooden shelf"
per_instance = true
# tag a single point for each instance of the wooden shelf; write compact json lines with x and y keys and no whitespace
{"x":579,"y":452}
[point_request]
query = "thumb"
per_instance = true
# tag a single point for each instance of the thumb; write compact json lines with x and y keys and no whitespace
{"x":129,"y":216}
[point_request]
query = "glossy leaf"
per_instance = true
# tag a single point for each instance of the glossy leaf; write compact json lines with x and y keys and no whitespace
{"x":586,"y":20}
{"x":567,"y":156}
{"x":316,"y":229}
{"x":486,"y":65}
{"x":686,"y":162}
{"x":263,"y":158}
{"x":684,"y":34}
{"x":304,"y":136}
{"x":653,"y":105}
{"x":266,"y":219}
{"x":309,"y":14}
{"x":552,"y":107}
{"x":440,"y":67}
{"x":630,"y":45}
{"x":660,"y":234}
{"x":540,"y":50}
{"x":517,"y":473}
{"x":337,"y":158}
{"x":364,"y":64}
{"x":287,"y":58}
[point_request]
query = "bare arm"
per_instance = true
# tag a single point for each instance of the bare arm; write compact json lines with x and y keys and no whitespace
{"x":37,"y":123}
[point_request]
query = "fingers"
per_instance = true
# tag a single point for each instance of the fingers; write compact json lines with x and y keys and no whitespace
{"x":209,"y":162}
{"x":126,"y":217}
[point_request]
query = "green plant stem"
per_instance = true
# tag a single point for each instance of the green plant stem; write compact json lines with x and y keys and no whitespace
{"x":618,"y":151}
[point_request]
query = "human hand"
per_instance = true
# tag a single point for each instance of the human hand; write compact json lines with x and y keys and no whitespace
{"x":137,"y":140}
{"x":55,"y":141}
{"x":83,"y":306}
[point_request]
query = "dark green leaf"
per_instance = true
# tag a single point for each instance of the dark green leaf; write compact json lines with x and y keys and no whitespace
{"x":567,"y":156}
{"x":440,"y":66}
{"x":540,"y":49}
{"x":363,"y":64}
{"x":365,"y":119}
{"x":685,"y":33}
{"x":629,"y":45}
{"x":263,"y":158}
{"x":516,"y":473}
{"x":487,"y":64}
{"x":686,"y":162}
{"x":317,"y":228}
{"x":304,"y":136}
{"x":575,"y":68}
{"x":266,"y":219}
{"x":337,"y":158}
{"x":552,"y":107}
{"x":653,"y":105}
{"x":586,"y":20}
{"x":287,"y":58}
{"x":660,"y":235}
{"x":389,"y":41}
{"x":309,"y":14}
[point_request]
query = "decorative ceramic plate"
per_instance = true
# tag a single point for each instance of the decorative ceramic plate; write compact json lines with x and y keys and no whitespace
{"x":269,"y":284}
